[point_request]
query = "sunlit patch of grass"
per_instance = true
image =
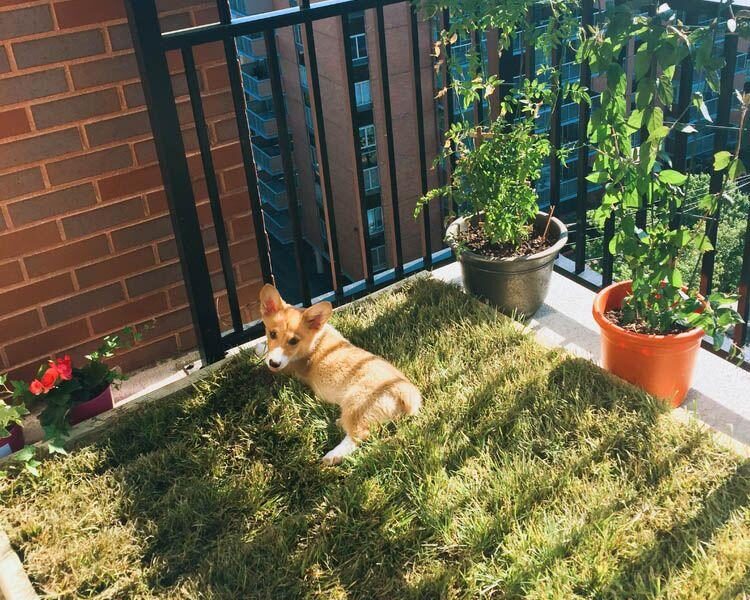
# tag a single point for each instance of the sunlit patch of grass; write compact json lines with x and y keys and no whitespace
{"x":528,"y":474}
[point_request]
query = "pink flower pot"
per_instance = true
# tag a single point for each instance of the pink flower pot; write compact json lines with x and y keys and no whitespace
{"x":91,"y":408}
{"x":13,"y":443}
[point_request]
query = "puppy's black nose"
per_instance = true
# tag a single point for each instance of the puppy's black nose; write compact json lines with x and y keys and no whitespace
{"x":273,"y":364}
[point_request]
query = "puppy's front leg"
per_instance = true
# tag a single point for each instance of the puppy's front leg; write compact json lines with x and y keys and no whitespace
{"x":345,"y":448}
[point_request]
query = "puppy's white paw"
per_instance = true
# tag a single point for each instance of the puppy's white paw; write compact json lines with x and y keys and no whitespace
{"x":345,"y":448}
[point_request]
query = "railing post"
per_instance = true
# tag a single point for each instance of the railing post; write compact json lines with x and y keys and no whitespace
{"x":723,"y":111}
{"x":157,"y":87}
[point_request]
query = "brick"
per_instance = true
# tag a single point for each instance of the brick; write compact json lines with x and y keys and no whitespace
{"x":34,"y":293}
{"x":249,"y":271}
{"x":166,"y":324}
{"x":119,"y":37}
{"x":31,"y":86}
{"x":167,"y":250}
{"x":59,"y":48}
{"x":75,"y":13}
{"x":146,"y":354}
{"x":177,"y":296}
{"x":104,"y":217}
{"x":83,"y":303}
{"x":23,"y":241}
{"x":147,"y":282}
{"x":134,"y":91}
{"x":175,"y":21}
{"x":217,"y":78}
{"x":99,"y":72}
{"x":89,"y":165}
{"x":187,"y":340}
{"x":47,"y":341}
{"x":25,"y":21}
{"x":24,"y":325}
{"x":145,"y":152}
{"x":157,"y":202}
{"x":39,"y":147}
{"x":52,"y":204}
{"x":130,"y":313}
{"x":118,"y":128}
{"x":64,"y":257}
{"x":4,"y":64}
{"x":21,"y":183}
{"x":142,"y":233}
{"x":226,"y":131}
{"x":136,"y":180}
{"x":10,"y":273}
{"x":75,"y":108}
{"x":116,"y":267}
{"x":242,"y":228}
{"x":13,"y":122}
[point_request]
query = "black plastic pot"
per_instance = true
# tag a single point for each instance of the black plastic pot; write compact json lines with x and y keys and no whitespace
{"x":515,"y":285}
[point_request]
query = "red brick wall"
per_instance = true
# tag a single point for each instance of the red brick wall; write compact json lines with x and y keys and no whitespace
{"x":86,"y":244}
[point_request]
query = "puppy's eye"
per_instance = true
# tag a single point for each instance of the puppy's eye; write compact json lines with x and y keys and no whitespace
{"x":293,"y":341}
{"x":272,"y":334}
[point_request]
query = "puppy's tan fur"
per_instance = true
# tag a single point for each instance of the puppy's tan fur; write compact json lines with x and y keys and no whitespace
{"x":368,"y":389}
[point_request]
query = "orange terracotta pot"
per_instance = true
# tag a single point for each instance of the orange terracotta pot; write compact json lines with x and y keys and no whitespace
{"x":660,"y":364}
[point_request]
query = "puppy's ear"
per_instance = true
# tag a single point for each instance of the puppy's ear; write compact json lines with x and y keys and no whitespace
{"x":270,"y":301}
{"x":317,"y":315}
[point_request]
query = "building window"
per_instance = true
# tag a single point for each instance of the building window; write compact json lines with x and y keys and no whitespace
{"x":375,"y":220}
{"x":297,"y":32}
{"x":372,"y":179}
{"x":378,"y":258}
{"x":359,"y":48}
{"x":362,"y":92}
{"x":367,"y":137}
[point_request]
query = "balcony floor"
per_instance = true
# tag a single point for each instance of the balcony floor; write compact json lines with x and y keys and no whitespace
{"x":528,"y":473}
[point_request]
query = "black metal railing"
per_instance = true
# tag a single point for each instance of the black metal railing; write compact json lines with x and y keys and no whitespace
{"x":152,"y":47}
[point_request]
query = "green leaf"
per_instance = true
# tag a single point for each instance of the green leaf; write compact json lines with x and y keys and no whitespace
{"x":675,"y":278}
{"x":672,"y":177}
{"x":721,"y":160}
{"x":597,"y":177}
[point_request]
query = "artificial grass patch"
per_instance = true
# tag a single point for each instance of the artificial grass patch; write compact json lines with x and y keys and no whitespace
{"x":529,"y":473}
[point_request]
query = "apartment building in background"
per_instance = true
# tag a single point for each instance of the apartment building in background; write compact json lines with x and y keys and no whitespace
{"x":340,"y":122}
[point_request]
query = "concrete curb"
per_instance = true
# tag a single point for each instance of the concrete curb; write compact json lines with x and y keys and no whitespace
{"x":14,"y":583}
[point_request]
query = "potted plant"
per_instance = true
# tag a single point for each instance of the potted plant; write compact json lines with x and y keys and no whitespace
{"x":653,"y":324}
{"x":73,"y":394}
{"x":12,"y":412}
{"x":505,"y":245}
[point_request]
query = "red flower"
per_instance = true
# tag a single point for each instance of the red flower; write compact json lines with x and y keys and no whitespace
{"x":64,"y":368}
{"x":36,"y":387}
{"x":49,"y":378}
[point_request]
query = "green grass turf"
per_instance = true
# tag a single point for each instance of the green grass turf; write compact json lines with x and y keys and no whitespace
{"x":529,"y":473}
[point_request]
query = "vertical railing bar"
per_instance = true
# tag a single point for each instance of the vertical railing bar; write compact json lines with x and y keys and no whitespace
{"x":274,"y":71}
{"x":246,"y":147}
{"x":386,"y":88}
{"x":555,"y":129}
{"x":479,"y":104}
{"x":743,"y":305}
{"x":333,"y":243}
{"x":607,"y":256}
{"x":369,"y":279}
{"x":716,"y":182}
{"x":204,"y":143}
{"x":679,"y":159}
{"x":143,"y":18}
{"x":417,"y":66}
{"x":449,"y":98}
{"x":584,"y":114}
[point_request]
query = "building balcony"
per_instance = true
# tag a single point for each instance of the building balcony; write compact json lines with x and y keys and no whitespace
{"x":273,"y":191}
{"x":262,"y":123}
{"x":255,"y":81}
{"x":268,"y":157}
{"x":251,"y":46}
{"x":278,"y":225}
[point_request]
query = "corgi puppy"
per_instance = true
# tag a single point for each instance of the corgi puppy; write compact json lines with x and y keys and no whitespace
{"x":368,"y":389}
